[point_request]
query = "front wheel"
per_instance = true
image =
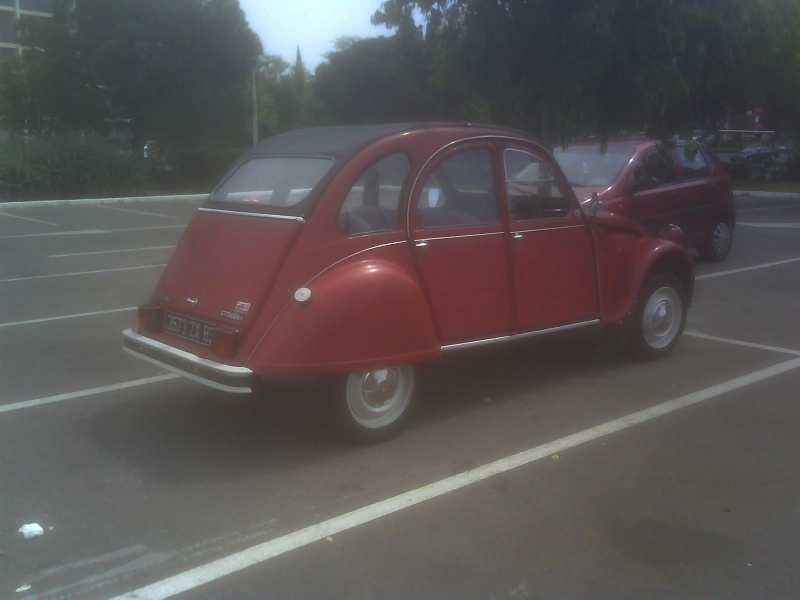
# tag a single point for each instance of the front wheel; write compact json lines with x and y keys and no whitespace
{"x":719,"y":244}
{"x":377,"y":402}
{"x":660,"y":316}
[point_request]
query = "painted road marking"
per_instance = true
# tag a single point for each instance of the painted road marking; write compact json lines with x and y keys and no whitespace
{"x":15,"y":406}
{"x":111,"y":251}
{"x":704,"y":336}
{"x":32,"y":277}
{"x":77,"y":316}
{"x":5,"y":214}
{"x":90,"y":232}
{"x":753,"y":268}
{"x":260,"y":553}
{"x":136,"y":212}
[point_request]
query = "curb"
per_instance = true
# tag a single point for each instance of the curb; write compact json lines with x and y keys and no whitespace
{"x":757,"y":194}
{"x":181,"y":198}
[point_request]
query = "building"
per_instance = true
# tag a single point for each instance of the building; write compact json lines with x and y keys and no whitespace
{"x":12,"y":11}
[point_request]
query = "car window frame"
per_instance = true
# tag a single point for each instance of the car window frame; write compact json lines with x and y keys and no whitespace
{"x":561,"y":184}
{"x":639,"y":163}
{"x":398,"y":220}
{"x":459,"y":218}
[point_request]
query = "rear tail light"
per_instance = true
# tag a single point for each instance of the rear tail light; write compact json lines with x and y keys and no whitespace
{"x":149,"y":317}
{"x":225,"y":341}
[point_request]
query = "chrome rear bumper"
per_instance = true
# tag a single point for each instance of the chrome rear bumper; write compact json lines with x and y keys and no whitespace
{"x":237,"y":380}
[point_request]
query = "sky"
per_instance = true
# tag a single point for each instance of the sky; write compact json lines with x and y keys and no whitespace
{"x":313,"y":25}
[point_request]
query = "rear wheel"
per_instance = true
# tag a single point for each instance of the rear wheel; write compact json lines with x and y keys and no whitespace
{"x":660,"y":316}
{"x":719,"y":244}
{"x":376,"y":403}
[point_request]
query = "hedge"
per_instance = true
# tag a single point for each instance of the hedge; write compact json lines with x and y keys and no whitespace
{"x":84,"y":167}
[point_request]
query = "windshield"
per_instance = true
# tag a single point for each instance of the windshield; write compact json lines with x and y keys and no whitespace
{"x":273,"y":181}
{"x":587,"y":166}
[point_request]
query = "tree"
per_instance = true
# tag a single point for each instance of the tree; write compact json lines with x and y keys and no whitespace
{"x":567,"y":68}
{"x":285,"y":96}
{"x":180,"y":70}
{"x":378,"y":79}
{"x":45,"y":91}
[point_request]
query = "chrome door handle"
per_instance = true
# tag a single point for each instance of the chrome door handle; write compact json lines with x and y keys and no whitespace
{"x":518,"y":236}
{"x":421,"y":244}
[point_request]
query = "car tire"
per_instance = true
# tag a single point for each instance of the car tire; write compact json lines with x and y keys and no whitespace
{"x":719,"y":242}
{"x":374,"y":405}
{"x":660,"y":316}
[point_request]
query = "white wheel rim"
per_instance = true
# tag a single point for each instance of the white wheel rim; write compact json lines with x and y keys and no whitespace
{"x":377,"y":398}
{"x":662,"y":316}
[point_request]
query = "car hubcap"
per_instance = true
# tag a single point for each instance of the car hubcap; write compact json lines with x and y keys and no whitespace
{"x":378,"y":398}
{"x":662,"y":317}
{"x":721,"y":241}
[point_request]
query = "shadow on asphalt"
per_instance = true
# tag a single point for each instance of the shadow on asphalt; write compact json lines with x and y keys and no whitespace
{"x":183,"y":432}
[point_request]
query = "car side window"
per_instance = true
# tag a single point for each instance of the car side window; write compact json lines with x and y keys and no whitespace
{"x":654,"y":169}
{"x":372,"y":204}
{"x":693,"y":162}
{"x":461,"y":191}
{"x":532,"y":189}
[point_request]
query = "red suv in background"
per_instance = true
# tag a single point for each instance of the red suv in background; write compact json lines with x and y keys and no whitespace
{"x":659,"y":185}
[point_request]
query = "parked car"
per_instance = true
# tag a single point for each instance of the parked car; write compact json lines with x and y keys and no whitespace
{"x":356,"y":253}
{"x":682,"y":186}
{"x":757,"y":154}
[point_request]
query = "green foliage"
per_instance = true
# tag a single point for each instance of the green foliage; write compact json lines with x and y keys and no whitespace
{"x":178,"y":72}
{"x":569,"y":68}
{"x":286,"y":98}
{"x":74,"y":167}
{"x":181,"y":70}
{"x":45,"y":91}
{"x":377,"y":80}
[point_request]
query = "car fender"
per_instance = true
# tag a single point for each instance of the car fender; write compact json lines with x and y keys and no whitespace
{"x":358,"y":315}
{"x":627,"y":269}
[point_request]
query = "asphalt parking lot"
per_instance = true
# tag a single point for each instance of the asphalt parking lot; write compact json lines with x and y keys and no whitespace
{"x":541,"y":472}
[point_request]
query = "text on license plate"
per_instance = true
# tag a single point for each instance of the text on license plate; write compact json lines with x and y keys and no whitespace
{"x":187,"y":328}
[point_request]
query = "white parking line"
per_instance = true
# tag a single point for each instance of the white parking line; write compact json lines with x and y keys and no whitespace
{"x":48,"y":319}
{"x":111,"y":251}
{"x":15,"y":406}
{"x":5,"y":214}
{"x":32,"y":277}
{"x":193,"y":578}
{"x":753,"y":268}
{"x":704,"y":336}
{"x":89,"y":232}
{"x":136,"y":212}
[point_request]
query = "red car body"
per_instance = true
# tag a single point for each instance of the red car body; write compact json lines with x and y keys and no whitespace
{"x":364,"y":250}
{"x":684,"y":185}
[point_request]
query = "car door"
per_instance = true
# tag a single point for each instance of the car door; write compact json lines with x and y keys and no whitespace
{"x":552,"y":249}
{"x":459,"y":244}
{"x":657,"y":195}
{"x":703,"y":193}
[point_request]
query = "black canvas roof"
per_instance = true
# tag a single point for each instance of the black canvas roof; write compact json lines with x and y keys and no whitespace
{"x":335,"y":141}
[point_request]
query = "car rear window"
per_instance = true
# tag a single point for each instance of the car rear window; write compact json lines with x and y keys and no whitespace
{"x":273,"y":181}
{"x":587,"y":166}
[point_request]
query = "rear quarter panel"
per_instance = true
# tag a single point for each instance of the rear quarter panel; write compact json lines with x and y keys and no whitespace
{"x":365,"y":312}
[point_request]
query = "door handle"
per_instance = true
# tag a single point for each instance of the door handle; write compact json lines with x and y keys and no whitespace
{"x":518,"y":236}
{"x":421,"y":244}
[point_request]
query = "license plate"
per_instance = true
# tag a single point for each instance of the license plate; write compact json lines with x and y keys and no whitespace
{"x":189,"y":329}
